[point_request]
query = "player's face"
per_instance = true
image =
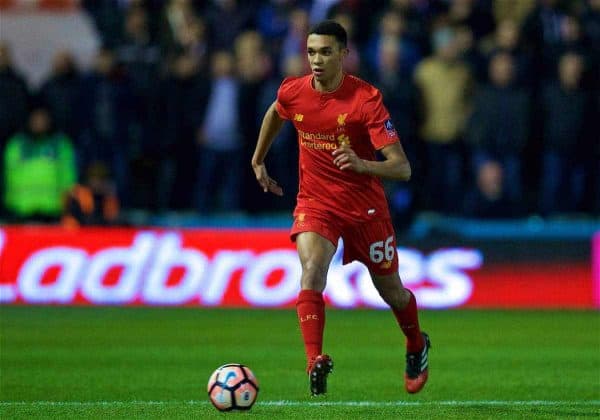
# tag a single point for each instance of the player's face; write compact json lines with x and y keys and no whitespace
{"x":325,"y":56}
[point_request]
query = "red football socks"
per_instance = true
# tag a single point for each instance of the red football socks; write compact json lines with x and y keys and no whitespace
{"x":310,"y":307}
{"x":408,"y":319}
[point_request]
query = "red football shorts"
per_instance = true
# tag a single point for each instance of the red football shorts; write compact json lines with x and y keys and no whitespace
{"x":372,"y":243}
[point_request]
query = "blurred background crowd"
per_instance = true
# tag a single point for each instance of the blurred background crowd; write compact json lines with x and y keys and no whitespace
{"x":496,"y":101}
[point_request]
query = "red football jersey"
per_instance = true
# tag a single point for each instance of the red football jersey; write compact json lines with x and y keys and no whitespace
{"x":353,"y":114}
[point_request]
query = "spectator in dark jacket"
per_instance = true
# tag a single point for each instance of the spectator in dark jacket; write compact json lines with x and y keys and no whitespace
{"x":61,"y":92}
{"x":184,"y":94}
{"x":507,"y":39}
{"x":140,"y":57}
{"x":488,"y":198}
{"x":542,"y":27}
{"x":105,"y":117}
{"x":572,"y":39}
{"x":253,"y":65}
{"x":13,"y":97}
{"x":591,"y":23}
{"x":401,"y":99}
{"x":220,"y":169}
{"x":13,"y":103}
{"x":233,"y":15}
{"x":567,"y":137}
{"x":392,"y":27}
{"x":108,"y":17}
{"x":499,"y":125}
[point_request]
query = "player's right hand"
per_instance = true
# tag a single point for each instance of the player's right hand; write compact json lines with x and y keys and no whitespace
{"x":267,"y":183}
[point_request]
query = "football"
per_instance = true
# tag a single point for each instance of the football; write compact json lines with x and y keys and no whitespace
{"x":232,"y":387}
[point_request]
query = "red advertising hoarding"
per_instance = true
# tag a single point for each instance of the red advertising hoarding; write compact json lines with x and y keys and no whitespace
{"x":247,"y":268}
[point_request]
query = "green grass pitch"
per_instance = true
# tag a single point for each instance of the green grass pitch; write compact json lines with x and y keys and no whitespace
{"x":112,"y":362}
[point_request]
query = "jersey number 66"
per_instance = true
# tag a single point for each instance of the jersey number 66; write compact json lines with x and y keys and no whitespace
{"x":380,"y":250}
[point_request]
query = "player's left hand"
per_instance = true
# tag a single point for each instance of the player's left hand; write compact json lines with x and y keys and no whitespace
{"x":346,"y":159}
{"x":267,"y":183}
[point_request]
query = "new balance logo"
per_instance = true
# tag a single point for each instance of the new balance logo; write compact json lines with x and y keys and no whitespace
{"x":298,"y":117}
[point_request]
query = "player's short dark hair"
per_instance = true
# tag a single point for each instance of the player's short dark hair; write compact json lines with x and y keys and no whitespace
{"x":332,"y":28}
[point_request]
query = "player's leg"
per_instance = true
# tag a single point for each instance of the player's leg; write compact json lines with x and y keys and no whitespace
{"x":315,"y":252}
{"x":374,"y":244}
{"x":404,"y":306}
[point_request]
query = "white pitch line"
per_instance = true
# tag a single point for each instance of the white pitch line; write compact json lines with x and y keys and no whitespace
{"x":429,"y":403}
{"x":287,"y":403}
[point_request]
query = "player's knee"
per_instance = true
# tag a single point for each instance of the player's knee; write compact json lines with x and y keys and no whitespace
{"x":314,"y":268}
{"x":313,"y":276}
{"x":390,"y":297}
{"x":397,"y":297}
{"x":404,"y":297}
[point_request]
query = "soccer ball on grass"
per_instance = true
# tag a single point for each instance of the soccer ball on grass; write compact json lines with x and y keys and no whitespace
{"x":232,"y":387}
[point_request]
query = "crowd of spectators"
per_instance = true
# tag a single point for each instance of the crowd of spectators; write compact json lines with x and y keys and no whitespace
{"x":496,"y":102}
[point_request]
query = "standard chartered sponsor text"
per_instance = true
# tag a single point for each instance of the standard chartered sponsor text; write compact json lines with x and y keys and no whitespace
{"x":317,"y":141}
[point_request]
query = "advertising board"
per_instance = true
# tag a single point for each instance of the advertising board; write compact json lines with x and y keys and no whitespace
{"x":260,"y":268}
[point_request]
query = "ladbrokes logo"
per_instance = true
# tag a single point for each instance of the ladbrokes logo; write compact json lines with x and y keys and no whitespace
{"x":188,"y":268}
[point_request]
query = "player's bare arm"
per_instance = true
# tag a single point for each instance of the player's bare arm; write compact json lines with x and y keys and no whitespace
{"x":395,"y":166}
{"x":269,"y":128}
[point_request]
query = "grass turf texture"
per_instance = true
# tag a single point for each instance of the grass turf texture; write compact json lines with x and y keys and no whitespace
{"x":84,"y":362}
